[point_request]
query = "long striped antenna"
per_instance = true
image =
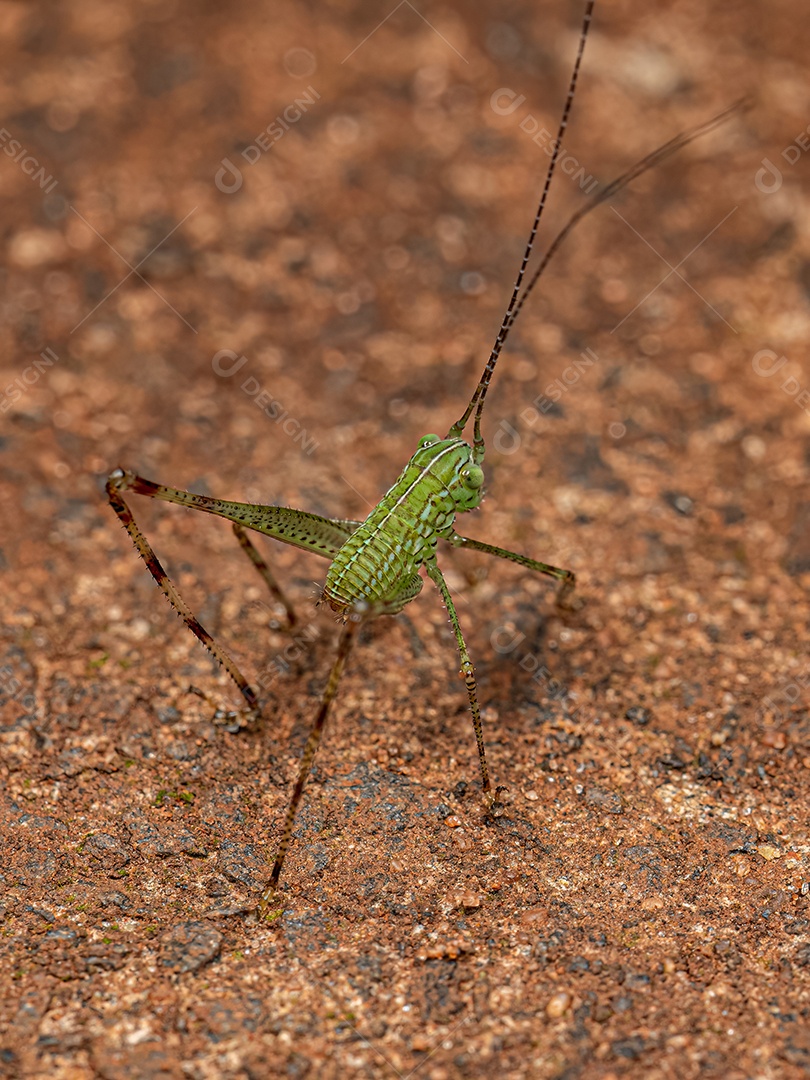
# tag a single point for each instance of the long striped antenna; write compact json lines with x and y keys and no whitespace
{"x":519,"y":298}
{"x":652,"y":159}
{"x":483,"y":386}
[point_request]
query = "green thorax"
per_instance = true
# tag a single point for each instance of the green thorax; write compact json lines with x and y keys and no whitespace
{"x":401,"y":532}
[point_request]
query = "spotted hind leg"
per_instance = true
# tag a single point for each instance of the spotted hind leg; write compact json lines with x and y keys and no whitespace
{"x":117,"y":484}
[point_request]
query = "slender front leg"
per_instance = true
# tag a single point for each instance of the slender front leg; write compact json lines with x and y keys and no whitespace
{"x":115,"y":485}
{"x":467,"y":669}
{"x":566,"y":578}
{"x":271,"y":583}
{"x":346,"y":639}
{"x":311,"y":532}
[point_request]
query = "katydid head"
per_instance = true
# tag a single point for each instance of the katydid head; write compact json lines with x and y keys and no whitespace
{"x":451,"y":461}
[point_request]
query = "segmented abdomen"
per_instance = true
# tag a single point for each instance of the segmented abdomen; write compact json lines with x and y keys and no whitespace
{"x":380,"y":559}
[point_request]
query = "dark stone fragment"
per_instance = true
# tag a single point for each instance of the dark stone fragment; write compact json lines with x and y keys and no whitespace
{"x":190,"y":946}
{"x":631,"y":1048}
{"x":242,"y":863}
{"x":602,"y":799}
{"x":683,"y":504}
{"x":638,"y":715}
{"x":106,"y":850}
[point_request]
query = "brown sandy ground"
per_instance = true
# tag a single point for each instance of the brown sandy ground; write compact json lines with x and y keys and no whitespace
{"x":640,"y":909}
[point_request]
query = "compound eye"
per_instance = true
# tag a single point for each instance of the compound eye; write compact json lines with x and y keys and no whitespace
{"x":473,"y":476}
{"x":428,"y":440}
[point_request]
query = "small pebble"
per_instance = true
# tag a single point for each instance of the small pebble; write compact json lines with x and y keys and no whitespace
{"x":652,"y":903}
{"x":467,"y":899}
{"x":534,"y":915}
{"x":447,"y":950}
{"x":775,"y":738}
{"x":558,"y":1005}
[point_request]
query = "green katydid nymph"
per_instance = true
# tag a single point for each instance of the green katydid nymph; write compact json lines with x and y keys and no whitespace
{"x":375,"y":564}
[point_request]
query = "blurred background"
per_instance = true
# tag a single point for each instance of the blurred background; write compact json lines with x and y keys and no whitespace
{"x":257,"y":250}
{"x":340,"y":196}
